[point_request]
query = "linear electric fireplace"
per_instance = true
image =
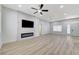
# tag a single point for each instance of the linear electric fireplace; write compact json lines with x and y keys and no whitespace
{"x":23,"y":35}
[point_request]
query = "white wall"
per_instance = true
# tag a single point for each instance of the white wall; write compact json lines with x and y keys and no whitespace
{"x":64,"y":26}
{"x":74,"y":25}
{"x":0,"y":27}
{"x":45,"y":27}
{"x":12,"y":25}
{"x":27,"y":30}
{"x":9,"y":25}
{"x":35,"y":30}
{"x":74,"y":29}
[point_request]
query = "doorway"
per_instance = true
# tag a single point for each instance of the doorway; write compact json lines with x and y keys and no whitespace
{"x":73,"y":29}
{"x":68,"y":29}
{"x":40,"y":29}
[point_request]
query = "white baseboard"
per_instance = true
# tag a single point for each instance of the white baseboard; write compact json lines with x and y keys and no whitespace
{"x":19,"y":39}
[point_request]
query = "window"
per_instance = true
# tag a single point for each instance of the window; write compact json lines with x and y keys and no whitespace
{"x":57,"y":28}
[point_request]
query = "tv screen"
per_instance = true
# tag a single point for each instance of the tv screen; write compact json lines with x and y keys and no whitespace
{"x":27,"y":24}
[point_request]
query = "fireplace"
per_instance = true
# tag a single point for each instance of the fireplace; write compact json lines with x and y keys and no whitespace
{"x":23,"y":35}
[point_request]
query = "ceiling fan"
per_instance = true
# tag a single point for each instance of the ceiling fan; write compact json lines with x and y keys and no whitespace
{"x":40,"y":10}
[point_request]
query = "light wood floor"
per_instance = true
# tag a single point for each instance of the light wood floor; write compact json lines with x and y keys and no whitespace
{"x":44,"y":45}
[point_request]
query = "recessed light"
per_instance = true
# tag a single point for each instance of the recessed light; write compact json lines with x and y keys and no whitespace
{"x":19,"y":6}
{"x":61,"y":6}
{"x":39,"y":10}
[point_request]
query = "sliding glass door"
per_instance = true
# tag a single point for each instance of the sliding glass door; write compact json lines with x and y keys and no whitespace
{"x":74,"y":29}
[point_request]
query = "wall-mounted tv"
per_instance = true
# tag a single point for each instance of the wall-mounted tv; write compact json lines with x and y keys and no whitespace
{"x":27,"y":24}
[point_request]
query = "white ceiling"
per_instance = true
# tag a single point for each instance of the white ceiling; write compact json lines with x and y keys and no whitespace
{"x":55,"y":13}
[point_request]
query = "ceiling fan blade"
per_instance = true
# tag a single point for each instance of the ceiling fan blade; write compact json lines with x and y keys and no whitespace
{"x":34,"y":8}
{"x":41,"y":13}
{"x":45,"y":10}
{"x":35,"y":12}
{"x":41,"y":6}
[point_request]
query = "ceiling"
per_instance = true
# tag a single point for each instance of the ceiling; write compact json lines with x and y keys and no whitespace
{"x":56,"y":11}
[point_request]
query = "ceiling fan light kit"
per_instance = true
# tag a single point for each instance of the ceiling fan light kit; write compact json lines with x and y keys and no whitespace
{"x":40,"y":10}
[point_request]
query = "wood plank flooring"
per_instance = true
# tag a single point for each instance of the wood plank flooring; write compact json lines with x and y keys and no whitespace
{"x":44,"y":45}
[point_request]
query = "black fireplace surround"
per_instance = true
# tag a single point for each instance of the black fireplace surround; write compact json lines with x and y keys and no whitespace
{"x":23,"y":35}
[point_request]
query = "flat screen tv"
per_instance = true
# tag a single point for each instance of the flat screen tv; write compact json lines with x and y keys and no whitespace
{"x":27,"y":24}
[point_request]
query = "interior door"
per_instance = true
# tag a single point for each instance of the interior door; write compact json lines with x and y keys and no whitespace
{"x":40,"y":29}
{"x":68,"y":29}
{"x":74,"y":29}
